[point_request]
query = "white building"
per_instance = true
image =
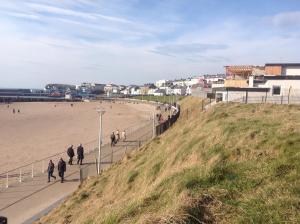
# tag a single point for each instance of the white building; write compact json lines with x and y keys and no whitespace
{"x":163,"y":82}
{"x":280,"y":85}
{"x":268,"y":88}
{"x":179,"y":90}
{"x":135,"y":91}
{"x":159,"y":92}
{"x":111,"y":89}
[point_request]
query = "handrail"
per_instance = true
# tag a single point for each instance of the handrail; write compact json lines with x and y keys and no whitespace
{"x":63,"y":152}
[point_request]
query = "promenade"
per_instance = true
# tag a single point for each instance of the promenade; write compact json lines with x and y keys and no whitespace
{"x":25,"y":202}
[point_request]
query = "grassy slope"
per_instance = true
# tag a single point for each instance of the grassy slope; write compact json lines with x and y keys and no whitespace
{"x":161,"y":99}
{"x":231,"y":164}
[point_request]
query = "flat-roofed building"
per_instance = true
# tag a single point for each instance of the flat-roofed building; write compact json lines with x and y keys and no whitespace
{"x":282,"y":69}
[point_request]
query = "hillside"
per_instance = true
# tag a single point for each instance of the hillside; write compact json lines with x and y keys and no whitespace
{"x":231,"y":164}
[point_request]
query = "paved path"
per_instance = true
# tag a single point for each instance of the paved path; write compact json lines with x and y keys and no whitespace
{"x":34,"y":196}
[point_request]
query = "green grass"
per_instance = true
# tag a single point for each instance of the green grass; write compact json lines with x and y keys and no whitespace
{"x":232,"y":164}
{"x":161,"y":99}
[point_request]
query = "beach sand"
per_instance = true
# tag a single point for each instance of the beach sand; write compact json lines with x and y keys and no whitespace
{"x":43,"y":129}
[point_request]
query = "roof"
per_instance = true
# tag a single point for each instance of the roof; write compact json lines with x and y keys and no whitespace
{"x":245,"y":89}
{"x":283,"y":64}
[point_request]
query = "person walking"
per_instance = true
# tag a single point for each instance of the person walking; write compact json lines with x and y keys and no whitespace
{"x":61,"y":169}
{"x":123,"y":136}
{"x":112,"y":139}
{"x":80,"y":154}
{"x":71,"y":154}
{"x":51,"y":170}
{"x":117,"y":135}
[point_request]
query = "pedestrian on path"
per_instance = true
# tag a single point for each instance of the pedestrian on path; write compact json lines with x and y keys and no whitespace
{"x":71,"y":154}
{"x":117,"y":135}
{"x":80,"y":154}
{"x":51,"y":170}
{"x":61,"y":169}
{"x":123,"y":136}
{"x":112,"y":139}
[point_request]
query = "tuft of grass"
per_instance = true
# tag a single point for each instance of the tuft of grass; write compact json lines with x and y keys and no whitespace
{"x":132,"y":175}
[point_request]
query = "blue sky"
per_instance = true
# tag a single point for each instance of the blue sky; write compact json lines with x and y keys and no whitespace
{"x":138,"y":41}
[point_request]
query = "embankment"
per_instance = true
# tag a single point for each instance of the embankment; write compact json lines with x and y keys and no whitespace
{"x":233,"y":163}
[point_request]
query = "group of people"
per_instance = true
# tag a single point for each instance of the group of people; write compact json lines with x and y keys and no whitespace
{"x":61,"y":166}
{"x":115,"y":137}
{"x":71,"y":154}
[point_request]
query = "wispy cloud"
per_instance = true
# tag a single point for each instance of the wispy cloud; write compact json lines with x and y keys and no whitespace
{"x":287,"y":19}
{"x":190,"y":49}
{"x":66,"y":40}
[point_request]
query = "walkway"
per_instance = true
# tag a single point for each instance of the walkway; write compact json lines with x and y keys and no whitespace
{"x":34,"y":196}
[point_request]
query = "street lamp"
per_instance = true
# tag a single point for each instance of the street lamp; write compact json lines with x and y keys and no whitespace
{"x":100,"y":112}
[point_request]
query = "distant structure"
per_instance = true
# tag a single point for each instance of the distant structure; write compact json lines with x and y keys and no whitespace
{"x":274,"y":81}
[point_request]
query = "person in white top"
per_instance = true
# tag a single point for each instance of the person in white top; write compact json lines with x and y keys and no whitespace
{"x":123,"y":136}
{"x":117,"y":135}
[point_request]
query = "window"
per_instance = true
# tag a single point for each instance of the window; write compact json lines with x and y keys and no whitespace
{"x":276,"y":90}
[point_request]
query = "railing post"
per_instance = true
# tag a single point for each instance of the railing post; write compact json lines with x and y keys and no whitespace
{"x":20,"y":177}
{"x":43,"y":166}
{"x":153,"y":128}
{"x":7,"y":180}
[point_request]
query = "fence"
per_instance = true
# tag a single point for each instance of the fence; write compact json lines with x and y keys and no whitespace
{"x":39,"y":167}
{"x":268,"y":99}
{"x":111,"y":155}
{"x":137,"y":136}
{"x":162,"y":127}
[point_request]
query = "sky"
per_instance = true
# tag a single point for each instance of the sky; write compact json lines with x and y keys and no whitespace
{"x":140,"y":41}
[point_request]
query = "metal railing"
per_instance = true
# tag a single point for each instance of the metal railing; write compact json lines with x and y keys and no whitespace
{"x":268,"y":99}
{"x":38,"y":167}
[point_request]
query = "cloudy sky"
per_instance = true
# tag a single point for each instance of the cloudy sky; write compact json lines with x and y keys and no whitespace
{"x":137,"y":41}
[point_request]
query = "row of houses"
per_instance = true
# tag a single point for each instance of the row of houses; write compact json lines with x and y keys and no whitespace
{"x":187,"y":86}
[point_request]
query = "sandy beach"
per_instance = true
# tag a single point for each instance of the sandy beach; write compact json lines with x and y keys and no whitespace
{"x":43,"y":129}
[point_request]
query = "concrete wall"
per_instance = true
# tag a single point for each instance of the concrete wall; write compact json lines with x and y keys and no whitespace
{"x":290,"y":70}
{"x":292,"y":86}
{"x":240,"y":95}
{"x":235,"y":83}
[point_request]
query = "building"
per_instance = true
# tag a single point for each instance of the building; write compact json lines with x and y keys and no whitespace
{"x":59,"y":88}
{"x":241,"y":71}
{"x":274,"y":88}
{"x":135,"y":90}
{"x":159,"y":92}
{"x":179,"y":90}
{"x":91,"y":88}
{"x":145,"y":89}
{"x":161,"y":83}
{"x":280,"y":69}
{"x":111,"y":89}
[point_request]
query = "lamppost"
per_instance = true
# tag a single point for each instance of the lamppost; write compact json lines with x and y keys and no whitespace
{"x":100,"y":112}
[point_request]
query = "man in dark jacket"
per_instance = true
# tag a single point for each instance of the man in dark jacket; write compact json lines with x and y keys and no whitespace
{"x":61,"y":169}
{"x":51,"y":170}
{"x":112,"y":139}
{"x":80,"y":154}
{"x":71,"y":154}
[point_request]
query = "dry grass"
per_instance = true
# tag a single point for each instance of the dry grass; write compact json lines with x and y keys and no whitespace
{"x":231,"y":164}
